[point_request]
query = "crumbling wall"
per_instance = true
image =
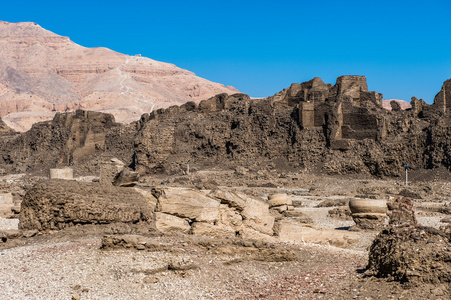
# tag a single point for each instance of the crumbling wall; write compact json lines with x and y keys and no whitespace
{"x":336,"y":129}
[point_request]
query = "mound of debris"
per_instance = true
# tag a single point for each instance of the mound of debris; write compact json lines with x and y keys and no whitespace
{"x":408,"y":252}
{"x":413,"y":254}
{"x":57,"y":204}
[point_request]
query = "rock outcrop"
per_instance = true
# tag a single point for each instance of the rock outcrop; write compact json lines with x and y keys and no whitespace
{"x":219,"y":214}
{"x":42,"y":73}
{"x":5,"y":130}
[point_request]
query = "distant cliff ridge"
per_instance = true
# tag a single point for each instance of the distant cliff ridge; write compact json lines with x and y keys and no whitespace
{"x":42,"y":73}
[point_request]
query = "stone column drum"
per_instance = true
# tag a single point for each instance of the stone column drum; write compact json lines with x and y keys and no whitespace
{"x":369,"y":213}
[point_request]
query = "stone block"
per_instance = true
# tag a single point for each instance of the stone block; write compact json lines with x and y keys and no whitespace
{"x":230,"y":198}
{"x":220,"y":231}
{"x":187,"y":203}
{"x":6,"y":204}
{"x":281,"y":208}
{"x":289,"y":231}
{"x":251,"y":234}
{"x":171,"y":224}
{"x":279,"y":199}
{"x":65,"y":173}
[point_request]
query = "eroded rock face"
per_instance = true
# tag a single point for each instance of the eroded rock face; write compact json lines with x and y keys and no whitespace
{"x":442,"y":100}
{"x":58,"y":204}
{"x":220,"y":214}
{"x":401,"y":211}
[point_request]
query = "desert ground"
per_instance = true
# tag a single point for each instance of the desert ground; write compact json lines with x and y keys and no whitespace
{"x":81,"y":263}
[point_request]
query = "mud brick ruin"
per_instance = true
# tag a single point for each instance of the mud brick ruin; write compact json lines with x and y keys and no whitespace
{"x":312,"y":126}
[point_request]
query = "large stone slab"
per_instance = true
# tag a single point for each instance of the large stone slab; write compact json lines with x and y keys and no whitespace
{"x":251,"y":234}
{"x":256,"y":215}
{"x":65,"y":173}
{"x":187,"y":203}
{"x":150,"y":199}
{"x":289,"y":231}
{"x":279,"y":200}
{"x":229,"y":217}
{"x":230,"y":198}
{"x":171,"y":224}
{"x":218,"y":231}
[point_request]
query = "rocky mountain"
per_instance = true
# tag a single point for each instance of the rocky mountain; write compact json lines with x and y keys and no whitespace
{"x":42,"y":73}
{"x":311,"y":126}
{"x":402,"y":104}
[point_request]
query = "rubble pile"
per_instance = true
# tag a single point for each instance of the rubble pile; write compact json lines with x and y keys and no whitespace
{"x":408,"y":252}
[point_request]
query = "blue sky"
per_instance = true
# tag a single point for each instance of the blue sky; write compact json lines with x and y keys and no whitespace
{"x":261,"y":47}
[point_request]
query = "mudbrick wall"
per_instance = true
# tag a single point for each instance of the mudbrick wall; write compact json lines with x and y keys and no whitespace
{"x":336,"y":129}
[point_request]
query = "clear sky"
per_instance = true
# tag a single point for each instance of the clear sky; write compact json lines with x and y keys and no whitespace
{"x":260,"y":47}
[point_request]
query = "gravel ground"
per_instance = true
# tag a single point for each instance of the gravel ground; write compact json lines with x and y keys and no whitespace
{"x":63,"y":270}
{"x":80,"y":270}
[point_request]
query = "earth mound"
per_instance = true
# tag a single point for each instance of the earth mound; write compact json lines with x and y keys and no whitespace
{"x":414,"y":254}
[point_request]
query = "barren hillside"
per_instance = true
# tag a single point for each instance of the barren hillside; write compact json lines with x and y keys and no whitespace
{"x":42,"y":72}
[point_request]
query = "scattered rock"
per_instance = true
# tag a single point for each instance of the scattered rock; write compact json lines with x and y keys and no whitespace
{"x":341,"y":213}
{"x":133,"y":242}
{"x":240,"y":171}
{"x":333,"y":202}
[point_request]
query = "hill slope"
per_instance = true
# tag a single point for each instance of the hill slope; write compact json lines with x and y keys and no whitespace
{"x":42,"y":72}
